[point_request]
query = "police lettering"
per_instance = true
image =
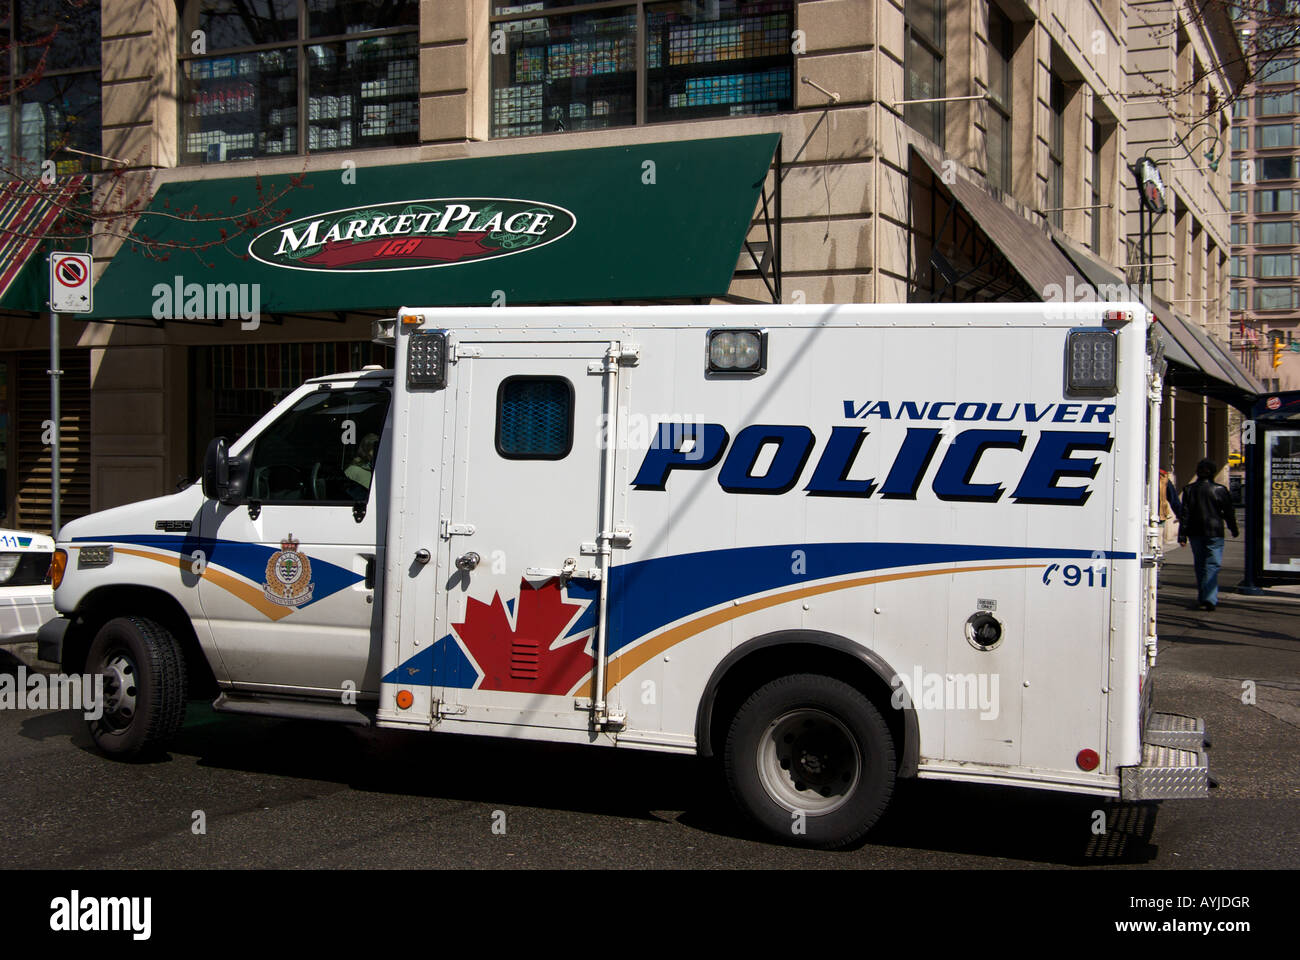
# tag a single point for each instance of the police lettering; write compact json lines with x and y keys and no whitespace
{"x":771,"y":459}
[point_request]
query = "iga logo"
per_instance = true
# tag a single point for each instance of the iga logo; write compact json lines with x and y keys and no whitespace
{"x":412,"y":235}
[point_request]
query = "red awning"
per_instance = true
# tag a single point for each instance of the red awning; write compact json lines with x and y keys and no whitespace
{"x":27,"y":211}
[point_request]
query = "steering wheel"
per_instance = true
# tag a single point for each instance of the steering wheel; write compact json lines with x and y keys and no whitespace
{"x":284,"y":478}
{"x":323,"y":477}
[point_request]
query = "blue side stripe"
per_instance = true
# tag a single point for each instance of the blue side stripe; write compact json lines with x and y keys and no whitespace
{"x":649,"y":594}
{"x":246,"y":559}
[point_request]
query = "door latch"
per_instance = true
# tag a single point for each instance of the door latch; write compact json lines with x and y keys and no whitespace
{"x":569,"y":570}
{"x":450,"y":529}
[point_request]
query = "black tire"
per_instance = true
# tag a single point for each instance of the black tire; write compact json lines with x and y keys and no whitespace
{"x":144,"y":686}
{"x":840,"y":782}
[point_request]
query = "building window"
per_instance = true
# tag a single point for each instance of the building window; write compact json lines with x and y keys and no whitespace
{"x":1238,"y":201}
{"x":1240,"y":138}
{"x":1237,"y":267}
{"x":284,"y":76}
{"x":1277,"y":265}
{"x":1100,"y":134}
{"x":1275,"y":168}
{"x":1274,"y":201}
{"x":49,"y":88}
{"x":1277,"y":298}
{"x":1281,"y":70}
{"x":1277,"y":232}
{"x":923,"y":66}
{"x":1234,"y":168}
{"x":1056,"y":153}
{"x":1275,"y":135}
{"x":1275,"y":104}
{"x":999,"y":112}
{"x":1240,"y":108}
{"x":1237,"y":299}
{"x":581,"y":69}
{"x":1239,"y":234}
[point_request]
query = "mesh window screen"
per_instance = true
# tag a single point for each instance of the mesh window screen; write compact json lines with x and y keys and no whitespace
{"x":534,"y":418}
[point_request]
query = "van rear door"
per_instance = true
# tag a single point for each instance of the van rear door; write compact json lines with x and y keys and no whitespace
{"x":508,"y":615}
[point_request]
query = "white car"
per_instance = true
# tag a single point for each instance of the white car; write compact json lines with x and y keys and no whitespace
{"x":26,"y":596}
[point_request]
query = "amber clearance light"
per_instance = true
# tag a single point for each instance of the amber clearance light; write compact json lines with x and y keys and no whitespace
{"x":57,"y":566}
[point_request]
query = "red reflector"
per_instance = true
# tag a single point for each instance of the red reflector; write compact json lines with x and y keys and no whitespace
{"x":1087,"y":759}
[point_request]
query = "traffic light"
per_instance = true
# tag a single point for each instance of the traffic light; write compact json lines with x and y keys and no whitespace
{"x":1277,"y":353}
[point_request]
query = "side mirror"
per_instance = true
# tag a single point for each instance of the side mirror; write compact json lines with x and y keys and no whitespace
{"x":216,"y":470}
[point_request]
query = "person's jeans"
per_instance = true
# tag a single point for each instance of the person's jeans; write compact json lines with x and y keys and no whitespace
{"x":1207,"y":555}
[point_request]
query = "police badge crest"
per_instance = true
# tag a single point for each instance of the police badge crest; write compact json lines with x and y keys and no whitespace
{"x":288,"y":575}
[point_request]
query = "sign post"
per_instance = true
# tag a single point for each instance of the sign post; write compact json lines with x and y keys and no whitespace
{"x":70,"y":292}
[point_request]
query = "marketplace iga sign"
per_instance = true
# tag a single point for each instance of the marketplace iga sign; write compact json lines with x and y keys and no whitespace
{"x":412,"y":235}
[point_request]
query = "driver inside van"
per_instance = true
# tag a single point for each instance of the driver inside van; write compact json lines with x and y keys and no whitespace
{"x":362,"y":467}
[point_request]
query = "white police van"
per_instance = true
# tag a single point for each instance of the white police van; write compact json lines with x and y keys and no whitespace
{"x":832,"y":546}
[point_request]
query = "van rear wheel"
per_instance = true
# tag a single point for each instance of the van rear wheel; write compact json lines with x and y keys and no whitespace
{"x":810,"y":760}
{"x":144,"y":685}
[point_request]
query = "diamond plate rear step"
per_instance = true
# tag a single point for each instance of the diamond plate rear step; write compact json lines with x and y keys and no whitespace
{"x":1173,"y":730}
{"x":1166,"y":773}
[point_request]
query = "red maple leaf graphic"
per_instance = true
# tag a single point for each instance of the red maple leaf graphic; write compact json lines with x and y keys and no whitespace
{"x":520,"y":659}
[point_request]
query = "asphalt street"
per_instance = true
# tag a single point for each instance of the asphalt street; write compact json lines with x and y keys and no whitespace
{"x":299,"y":795}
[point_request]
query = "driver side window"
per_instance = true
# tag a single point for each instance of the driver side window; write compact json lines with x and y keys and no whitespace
{"x":323,"y":450}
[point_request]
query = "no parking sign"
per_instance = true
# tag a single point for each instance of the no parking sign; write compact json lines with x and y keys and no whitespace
{"x":70,"y":283}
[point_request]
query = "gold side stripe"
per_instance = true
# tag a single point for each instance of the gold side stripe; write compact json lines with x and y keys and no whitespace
{"x":244,"y":591}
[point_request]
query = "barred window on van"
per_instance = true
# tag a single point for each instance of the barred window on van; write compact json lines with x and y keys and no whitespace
{"x":535,"y":418}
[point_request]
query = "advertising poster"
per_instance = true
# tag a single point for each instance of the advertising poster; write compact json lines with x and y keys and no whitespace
{"x":1282,"y":500}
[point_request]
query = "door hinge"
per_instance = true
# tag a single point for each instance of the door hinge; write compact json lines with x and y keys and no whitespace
{"x":450,"y":529}
{"x":621,"y":537}
{"x":627,"y":356}
{"x":612,"y":720}
{"x":457,"y":351}
{"x":444,"y":709}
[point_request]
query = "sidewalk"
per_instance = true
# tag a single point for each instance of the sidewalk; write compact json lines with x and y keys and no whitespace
{"x":1247,"y":636}
{"x":1177,"y":571}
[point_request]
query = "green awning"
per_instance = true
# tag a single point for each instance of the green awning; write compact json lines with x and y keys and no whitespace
{"x":642,"y":222}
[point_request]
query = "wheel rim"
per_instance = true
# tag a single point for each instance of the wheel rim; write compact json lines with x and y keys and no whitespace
{"x":808,"y":761}
{"x":120,"y":689}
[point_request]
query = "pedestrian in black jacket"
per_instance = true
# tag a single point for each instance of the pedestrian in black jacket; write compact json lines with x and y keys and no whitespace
{"x":1207,"y":507}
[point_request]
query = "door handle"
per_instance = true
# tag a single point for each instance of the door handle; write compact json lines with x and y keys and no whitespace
{"x":468,"y":561}
{"x":423,"y":556}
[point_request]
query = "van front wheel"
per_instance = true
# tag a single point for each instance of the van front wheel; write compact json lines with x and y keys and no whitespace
{"x":811,"y":760}
{"x":144,"y":685}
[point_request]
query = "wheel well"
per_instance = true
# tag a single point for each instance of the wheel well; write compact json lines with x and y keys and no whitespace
{"x":766,"y":658}
{"x":106,"y":603}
